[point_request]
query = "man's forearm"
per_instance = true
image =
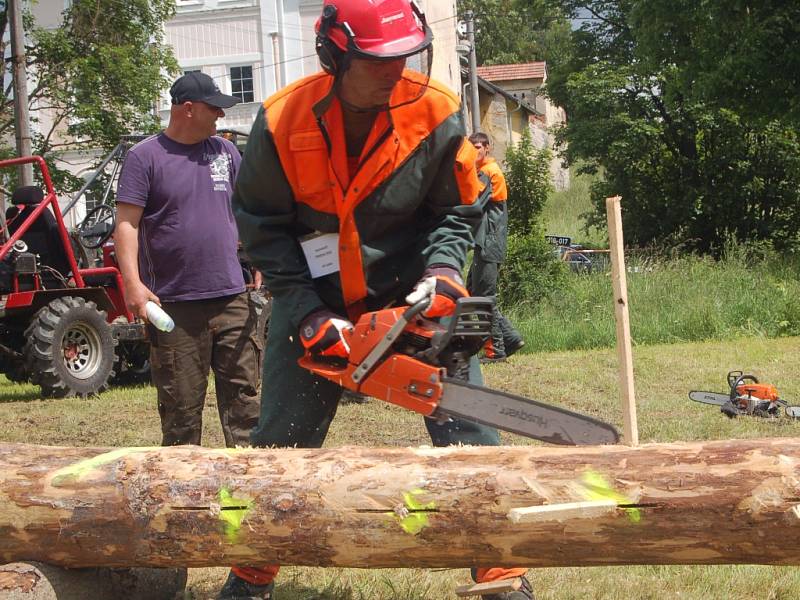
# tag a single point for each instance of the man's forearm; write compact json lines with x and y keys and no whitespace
{"x":126,"y":242}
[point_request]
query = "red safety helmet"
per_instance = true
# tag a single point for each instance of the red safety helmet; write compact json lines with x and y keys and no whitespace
{"x":370,"y":29}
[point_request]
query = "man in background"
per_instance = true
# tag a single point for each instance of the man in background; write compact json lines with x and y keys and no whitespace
{"x":176,"y":243}
{"x":490,"y":251}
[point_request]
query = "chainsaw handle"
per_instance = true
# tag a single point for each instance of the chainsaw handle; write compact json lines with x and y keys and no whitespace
{"x":736,"y":378}
{"x":415,"y":309}
{"x":382,"y":347}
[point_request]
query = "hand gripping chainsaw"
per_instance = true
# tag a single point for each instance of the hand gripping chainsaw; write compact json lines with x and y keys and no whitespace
{"x":398,"y":356}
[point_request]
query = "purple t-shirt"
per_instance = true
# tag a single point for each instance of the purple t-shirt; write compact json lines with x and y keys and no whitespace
{"x":187,"y":235}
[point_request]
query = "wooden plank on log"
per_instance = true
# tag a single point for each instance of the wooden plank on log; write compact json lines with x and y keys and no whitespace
{"x":684,"y":503}
{"x":562,"y":512}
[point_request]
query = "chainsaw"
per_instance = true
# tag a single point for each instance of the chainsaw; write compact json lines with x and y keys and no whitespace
{"x":747,"y":397}
{"x":401,"y":357}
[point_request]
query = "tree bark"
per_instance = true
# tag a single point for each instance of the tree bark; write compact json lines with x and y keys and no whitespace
{"x":683,"y":503}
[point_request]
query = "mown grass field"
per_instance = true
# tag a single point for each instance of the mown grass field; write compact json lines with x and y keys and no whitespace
{"x":585,"y":380}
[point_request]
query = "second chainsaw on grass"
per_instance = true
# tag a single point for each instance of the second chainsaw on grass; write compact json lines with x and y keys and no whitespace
{"x":747,"y":396}
{"x":399,"y":356}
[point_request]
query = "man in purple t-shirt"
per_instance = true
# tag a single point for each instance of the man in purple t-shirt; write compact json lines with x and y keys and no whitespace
{"x":176,"y":243}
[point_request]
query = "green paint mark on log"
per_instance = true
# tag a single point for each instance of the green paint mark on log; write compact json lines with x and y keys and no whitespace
{"x":75,"y":472}
{"x":596,"y":487}
{"x":413,"y":514}
{"x":233,"y":512}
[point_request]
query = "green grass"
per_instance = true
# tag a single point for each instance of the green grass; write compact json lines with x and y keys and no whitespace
{"x":751,"y":292}
{"x":562,"y":215}
{"x":680,"y":300}
{"x":584,"y":380}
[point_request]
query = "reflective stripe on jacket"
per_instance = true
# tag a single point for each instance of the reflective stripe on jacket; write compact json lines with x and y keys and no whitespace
{"x":410,"y":204}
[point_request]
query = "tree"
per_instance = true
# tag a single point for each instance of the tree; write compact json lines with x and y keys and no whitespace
{"x":94,"y":78}
{"x":513,"y":31}
{"x":672,"y":108}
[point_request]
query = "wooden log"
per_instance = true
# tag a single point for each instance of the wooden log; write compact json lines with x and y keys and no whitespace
{"x":682,"y":503}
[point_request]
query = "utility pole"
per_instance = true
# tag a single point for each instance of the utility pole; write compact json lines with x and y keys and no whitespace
{"x":475,"y":106}
{"x":21,"y":123}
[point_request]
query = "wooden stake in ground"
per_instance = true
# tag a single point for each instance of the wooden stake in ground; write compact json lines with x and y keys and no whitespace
{"x":725,"y":502}
{"x":624,"y":352}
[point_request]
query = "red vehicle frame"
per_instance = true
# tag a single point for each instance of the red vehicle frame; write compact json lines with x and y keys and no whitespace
{"x":115,"y":300}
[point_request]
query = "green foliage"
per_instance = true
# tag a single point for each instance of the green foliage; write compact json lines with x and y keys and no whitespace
{"x":513,"y":31}
{"x":527,"y":172}
{"x":94,"y":78}
{"x":531,"y":271}
{"x":694,"y":159}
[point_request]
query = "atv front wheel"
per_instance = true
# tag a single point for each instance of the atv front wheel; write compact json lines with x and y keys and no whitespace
{"x":70,"y":348}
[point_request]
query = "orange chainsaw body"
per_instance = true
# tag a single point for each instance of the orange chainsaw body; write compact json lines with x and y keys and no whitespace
{"x":399,"y":378}
{"x":762,"y":391}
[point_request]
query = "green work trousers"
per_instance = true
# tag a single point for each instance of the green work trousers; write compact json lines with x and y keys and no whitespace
{"x":297,"y":407}
{"x":218,"y":334}
{"x":482,"y":281}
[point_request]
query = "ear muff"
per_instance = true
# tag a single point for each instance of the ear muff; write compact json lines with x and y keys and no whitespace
{"x":330,"y":55}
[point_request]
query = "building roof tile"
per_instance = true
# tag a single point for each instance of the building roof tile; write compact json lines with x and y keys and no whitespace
{"x":532,"y":70}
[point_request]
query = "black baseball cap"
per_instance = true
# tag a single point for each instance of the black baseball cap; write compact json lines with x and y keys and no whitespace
{"x":199,"y":87}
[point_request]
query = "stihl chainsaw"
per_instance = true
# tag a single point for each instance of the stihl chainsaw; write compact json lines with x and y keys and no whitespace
{"x":398,"y":356}
{"x":747,"y":397}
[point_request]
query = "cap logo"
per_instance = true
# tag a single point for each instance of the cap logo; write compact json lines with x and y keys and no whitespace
{"x":391,"y":18}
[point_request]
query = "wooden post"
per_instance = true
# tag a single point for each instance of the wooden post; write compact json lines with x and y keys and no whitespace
{"x":624,"y":352}
{"x":722,"y":502}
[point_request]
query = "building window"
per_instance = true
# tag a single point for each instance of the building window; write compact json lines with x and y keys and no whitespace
{"x":242,"y":83}
{"x":187,"y":71}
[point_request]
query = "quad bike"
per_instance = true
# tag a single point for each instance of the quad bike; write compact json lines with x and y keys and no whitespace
{"x":63,"y":326}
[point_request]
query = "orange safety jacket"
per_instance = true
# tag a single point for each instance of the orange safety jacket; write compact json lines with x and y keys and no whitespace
{"x":499,"y":190}
{"x":411,"y":203}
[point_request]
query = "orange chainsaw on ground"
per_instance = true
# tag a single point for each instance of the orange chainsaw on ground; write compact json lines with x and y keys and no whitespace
{"x":399,"y":356}
{"x":747,"y":397}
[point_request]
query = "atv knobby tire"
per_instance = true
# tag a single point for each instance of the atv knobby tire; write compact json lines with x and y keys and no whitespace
{"x":70,"y":348}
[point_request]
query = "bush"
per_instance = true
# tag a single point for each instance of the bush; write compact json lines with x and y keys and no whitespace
{"x":530,"y":272}
{"x":527,"y":172}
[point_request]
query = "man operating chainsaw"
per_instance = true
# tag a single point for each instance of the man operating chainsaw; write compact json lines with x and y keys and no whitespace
{"x":357,"y":190}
